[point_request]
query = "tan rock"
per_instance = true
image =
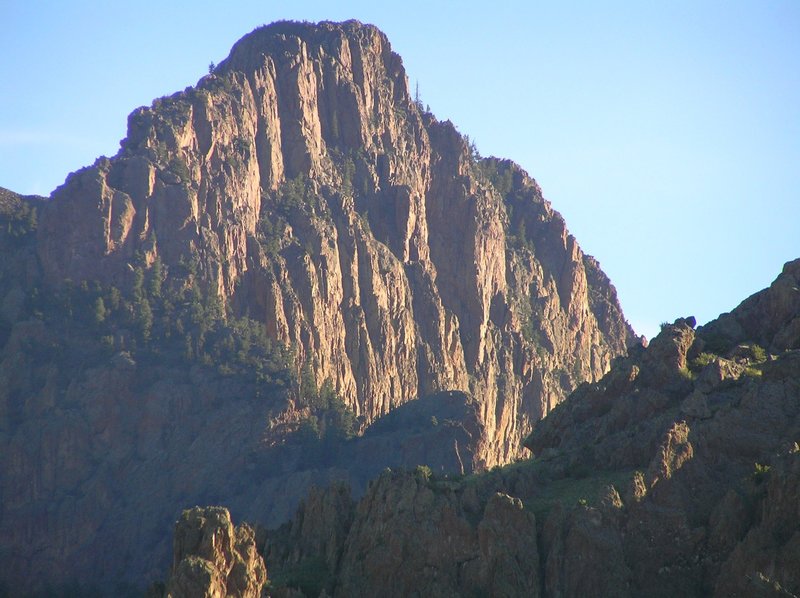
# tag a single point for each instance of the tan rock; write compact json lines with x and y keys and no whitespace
{"x":214,"y":559}
{"x":673,"y":452}
{"x":718,"y":372}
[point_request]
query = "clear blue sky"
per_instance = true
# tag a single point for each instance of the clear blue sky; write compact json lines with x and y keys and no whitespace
{"x":666,"y":133}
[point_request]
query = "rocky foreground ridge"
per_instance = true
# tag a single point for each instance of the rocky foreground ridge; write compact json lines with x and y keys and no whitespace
{"x":677,"y":474}
{"x":289,"y":274}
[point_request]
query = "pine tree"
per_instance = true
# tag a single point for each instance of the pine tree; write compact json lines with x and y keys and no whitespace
{"x":156,"y":279}
{"x":100,"y":312}
{"x":417,"y":97}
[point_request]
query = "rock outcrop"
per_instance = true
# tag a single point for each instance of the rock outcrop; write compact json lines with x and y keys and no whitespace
{"x":297,"y":191}
{"x":677,"y":474}
{"x":769,"y":318}
{"x":408,"y":536}
{"x":212,"y":558}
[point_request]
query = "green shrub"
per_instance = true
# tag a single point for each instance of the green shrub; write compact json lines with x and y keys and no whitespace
{"x":423,"y":472}
{"x":758,"y":354}
{"x":701,"y":361}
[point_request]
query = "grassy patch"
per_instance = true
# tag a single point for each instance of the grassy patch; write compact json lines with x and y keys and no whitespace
{"x":753,"y":371}
{"x":701,"y":361}
{"x":569,"y":492}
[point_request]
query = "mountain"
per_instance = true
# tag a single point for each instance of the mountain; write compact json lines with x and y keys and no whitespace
{"x":289,"y":274}
{"x":676,"y":474}
{"x":315,"y":196}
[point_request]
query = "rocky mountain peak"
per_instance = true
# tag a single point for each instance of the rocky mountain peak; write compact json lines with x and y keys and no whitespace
{"x":284,"y":255}
{"x":312,"y":193}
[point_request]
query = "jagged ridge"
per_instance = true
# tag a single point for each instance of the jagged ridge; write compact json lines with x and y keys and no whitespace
{"x":677,"y":474}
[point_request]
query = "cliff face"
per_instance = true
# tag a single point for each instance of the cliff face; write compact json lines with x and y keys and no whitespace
{"x":316,"y":196}
{"x":677,"y":474}
{"x":297,"y":187}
